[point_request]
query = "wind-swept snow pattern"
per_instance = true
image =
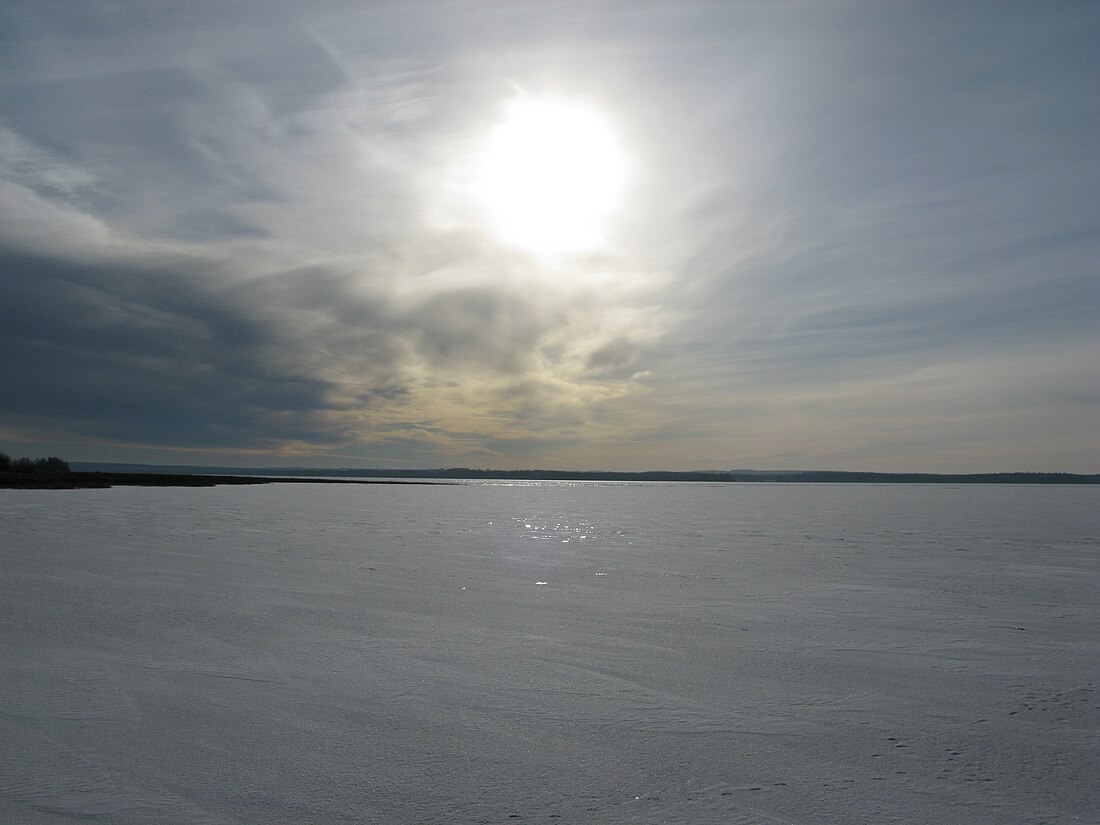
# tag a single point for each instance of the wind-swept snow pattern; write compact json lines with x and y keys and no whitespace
{"x":550,"y":652}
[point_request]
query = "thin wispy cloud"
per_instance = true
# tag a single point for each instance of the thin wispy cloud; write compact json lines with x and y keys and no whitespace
{"x":855,"y":236}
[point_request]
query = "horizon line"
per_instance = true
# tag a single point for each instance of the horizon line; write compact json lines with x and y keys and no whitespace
{"x":551,"y":474}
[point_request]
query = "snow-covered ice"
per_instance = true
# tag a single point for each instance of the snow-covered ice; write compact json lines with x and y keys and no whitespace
{"x":550,"y":652}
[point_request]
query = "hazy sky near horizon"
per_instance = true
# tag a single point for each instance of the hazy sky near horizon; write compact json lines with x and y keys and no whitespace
{"x":851,"y":235}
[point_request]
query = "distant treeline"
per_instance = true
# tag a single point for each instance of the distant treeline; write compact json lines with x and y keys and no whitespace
{"x":711,"y":476}
{"x":841,"y":477}
{"x":793,"y":476}
{"x":51,"y":464}
{"x":783,"y":476}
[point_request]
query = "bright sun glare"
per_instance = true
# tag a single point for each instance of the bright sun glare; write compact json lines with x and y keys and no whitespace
{"x":550,"y":175}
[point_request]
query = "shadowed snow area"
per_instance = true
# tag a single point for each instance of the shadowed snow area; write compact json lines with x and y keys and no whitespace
{"x":550,"y":652}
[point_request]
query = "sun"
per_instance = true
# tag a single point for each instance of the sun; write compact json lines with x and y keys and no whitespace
{"x":550,"y":175}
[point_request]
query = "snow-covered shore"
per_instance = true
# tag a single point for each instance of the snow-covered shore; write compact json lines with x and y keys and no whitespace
{"x":551,"y":652}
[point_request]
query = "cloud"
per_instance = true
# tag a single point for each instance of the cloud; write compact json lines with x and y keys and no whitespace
{"x":855,"y":234}
{"x":231,"y":250}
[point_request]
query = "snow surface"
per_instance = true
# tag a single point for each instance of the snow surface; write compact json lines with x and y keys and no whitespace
{"x":550,"y":652}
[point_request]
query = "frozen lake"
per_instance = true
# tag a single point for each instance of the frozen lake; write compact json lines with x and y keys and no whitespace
{"x":551,"y":652}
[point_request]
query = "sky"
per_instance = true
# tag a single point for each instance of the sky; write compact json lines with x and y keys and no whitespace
{"x":839,"y":235}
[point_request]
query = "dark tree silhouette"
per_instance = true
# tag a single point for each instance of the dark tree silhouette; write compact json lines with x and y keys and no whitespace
{"x":50,"y":465}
